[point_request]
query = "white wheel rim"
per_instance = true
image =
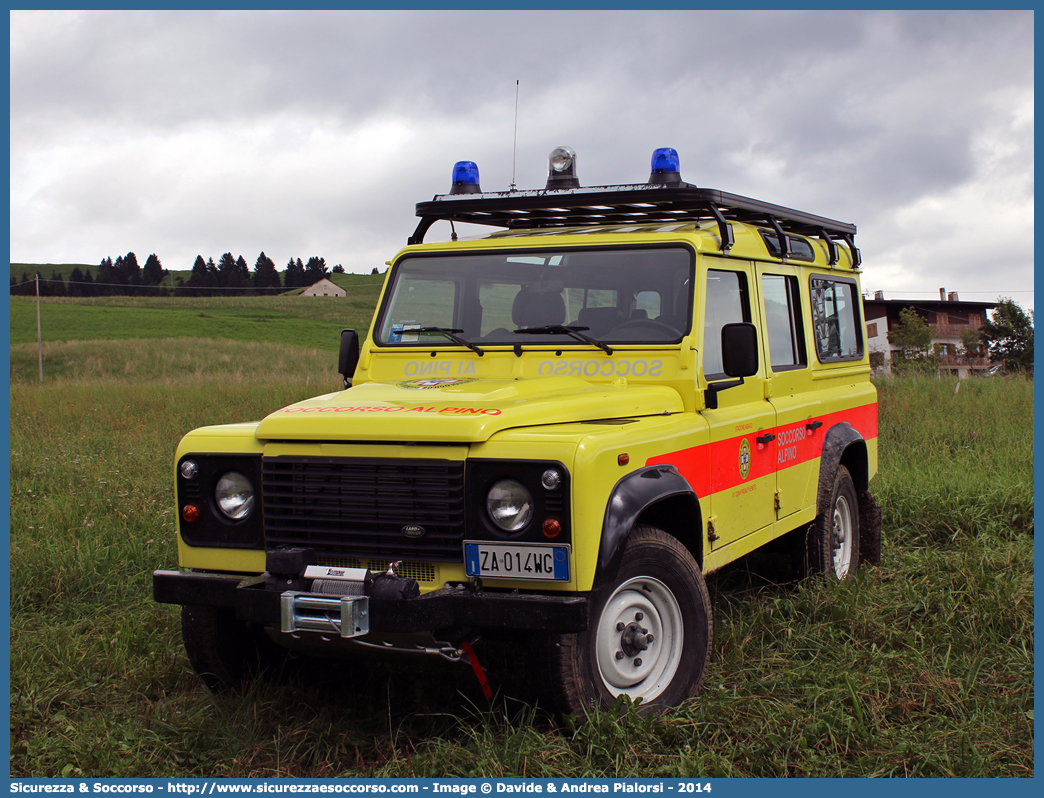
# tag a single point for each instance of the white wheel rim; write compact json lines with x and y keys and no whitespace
{"x":841,"y":537}
{"x":648,"y":604}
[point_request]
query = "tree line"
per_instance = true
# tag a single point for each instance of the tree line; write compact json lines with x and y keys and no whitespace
{"x":125,"y":277}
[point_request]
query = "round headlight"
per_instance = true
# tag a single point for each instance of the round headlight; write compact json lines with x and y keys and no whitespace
{"x":509,"y":505}
{"x":234,"y":495}
{"x":189,"y":469}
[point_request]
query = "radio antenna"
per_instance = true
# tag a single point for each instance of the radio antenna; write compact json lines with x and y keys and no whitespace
{"x":514,"y":140}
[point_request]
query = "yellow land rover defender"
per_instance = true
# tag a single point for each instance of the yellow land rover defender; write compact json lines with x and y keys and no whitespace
{"x":554,"y":431}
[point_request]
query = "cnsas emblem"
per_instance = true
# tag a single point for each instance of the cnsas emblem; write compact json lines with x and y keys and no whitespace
{"x":436,"y":382}
{"x":744,"y":458}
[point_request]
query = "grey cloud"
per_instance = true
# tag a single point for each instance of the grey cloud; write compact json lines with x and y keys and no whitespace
{"x":850,"y":114}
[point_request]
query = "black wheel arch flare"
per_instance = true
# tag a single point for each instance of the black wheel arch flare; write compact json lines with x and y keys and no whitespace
{"x":843,"y":446}
{"x":637,"y":496}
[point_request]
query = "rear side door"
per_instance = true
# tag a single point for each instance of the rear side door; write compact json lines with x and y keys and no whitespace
{"x":798,"y":441}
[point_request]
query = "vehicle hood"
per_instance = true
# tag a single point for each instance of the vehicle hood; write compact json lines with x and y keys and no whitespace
{"x":459,"y":410}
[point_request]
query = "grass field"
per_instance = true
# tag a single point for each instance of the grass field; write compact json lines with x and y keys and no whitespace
{"x":921,"y":667}
{"x":309,"y":322}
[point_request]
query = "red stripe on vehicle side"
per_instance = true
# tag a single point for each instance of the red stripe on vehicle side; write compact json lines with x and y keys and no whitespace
{"x":713,"y":467}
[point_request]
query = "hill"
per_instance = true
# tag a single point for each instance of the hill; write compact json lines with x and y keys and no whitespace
{"x":310,"y":322}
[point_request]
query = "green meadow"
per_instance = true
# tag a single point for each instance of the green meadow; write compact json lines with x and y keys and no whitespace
{"x":920,"y":667}
{"x":314,"y":322}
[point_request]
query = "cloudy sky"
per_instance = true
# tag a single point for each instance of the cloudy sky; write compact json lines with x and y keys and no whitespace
{"x":315,"y":133}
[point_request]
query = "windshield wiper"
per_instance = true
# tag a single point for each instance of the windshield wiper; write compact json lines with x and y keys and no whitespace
{"x":449,"y":333}
{"x":574,"y":332}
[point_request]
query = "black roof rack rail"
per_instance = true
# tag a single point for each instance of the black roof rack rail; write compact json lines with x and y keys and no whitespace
{"x":638,"y":203}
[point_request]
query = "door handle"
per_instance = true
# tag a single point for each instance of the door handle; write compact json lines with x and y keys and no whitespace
{"x":766,"y":438}
{"x":812,"y":426}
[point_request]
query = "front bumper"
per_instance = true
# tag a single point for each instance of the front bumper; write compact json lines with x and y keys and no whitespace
{"x":441,"y":609}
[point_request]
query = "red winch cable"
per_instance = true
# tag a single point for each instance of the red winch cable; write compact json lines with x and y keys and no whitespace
{"x":487,"y":691}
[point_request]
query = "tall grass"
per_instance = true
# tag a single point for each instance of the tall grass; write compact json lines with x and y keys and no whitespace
{"x":922,"y":667}
{"x":957,"y":457}
{"x":170,"y":362}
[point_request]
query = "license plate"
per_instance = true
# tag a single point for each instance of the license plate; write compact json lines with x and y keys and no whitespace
{"x":544,"y":561}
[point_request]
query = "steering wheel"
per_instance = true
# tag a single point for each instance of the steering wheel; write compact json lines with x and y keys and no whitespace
{"x":648,"y":323}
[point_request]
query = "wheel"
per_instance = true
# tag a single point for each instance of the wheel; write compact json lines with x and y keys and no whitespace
{"x":649,"y":636}
{"x":223,"y":652}
{"x":650,"y":324}
{"x":832,"y":544}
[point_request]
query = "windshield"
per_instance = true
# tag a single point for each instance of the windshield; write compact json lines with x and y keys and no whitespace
{"x":619,"y":295}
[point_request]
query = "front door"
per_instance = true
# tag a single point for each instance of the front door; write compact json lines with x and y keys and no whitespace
{"x":742,"y":457}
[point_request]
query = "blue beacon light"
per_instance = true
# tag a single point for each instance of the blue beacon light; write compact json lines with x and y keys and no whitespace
{"x":666,"y":166}
{"x":465,"y":178}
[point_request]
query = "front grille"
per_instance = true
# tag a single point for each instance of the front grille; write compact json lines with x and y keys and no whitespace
{"x":355,"y":507}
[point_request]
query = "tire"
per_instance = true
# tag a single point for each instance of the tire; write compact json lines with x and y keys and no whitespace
{"x":223,"y":651}
{"x":832,"y":545}
{"x":649,"y":637}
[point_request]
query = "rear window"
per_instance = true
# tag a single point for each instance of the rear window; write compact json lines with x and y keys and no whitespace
{"x":836,"y":326}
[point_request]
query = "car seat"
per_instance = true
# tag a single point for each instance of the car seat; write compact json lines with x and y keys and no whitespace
{"x":538,"y":305}
{"x":599,"y":320}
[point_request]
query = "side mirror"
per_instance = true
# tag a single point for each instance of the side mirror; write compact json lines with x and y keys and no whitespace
{"x":739,"y":359}
{"x":348,"y":357}
{"x":739,"y":349}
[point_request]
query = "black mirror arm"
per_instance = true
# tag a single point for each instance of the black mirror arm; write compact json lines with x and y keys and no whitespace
{"x":710,"y":395}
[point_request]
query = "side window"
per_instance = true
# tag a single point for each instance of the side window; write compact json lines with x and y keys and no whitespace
{"x":496,"y":299}
{"x":799,"y":247}
{"x":727,"y":302}
{"x":599,"y":298}
{"x":783,"y":322}
{"x":836,"y":326}
{"x":647,"y":305}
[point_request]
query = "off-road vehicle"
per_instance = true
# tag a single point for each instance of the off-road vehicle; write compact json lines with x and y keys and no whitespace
{"x":553,"y":432}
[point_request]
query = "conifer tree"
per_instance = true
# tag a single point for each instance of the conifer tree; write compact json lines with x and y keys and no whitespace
{"x":213,"y":276}
{"x":24,"y":286}
{"x":226,"y":268}
{"x":106,"y":279}
{"x":315,"y":270}
{"x":75,"y":286}
{"x":265,"y":274}
{"x":294,"y":277}
{"x":198,"y":278}
{"x":89,"y":288}
{"x":56,"y":285}
{"x":242,"y":272}
{"x":129,"y":271}
{"x":152,"y":273}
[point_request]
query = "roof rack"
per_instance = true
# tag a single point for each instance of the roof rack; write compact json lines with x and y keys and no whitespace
{"x":638,"y":203}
